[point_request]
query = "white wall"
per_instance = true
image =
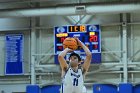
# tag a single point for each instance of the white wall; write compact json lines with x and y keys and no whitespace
{"x":13,"y":88}
{"x":14,"y":23}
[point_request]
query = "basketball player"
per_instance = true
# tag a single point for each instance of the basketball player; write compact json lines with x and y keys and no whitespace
{"x":73,"y":73}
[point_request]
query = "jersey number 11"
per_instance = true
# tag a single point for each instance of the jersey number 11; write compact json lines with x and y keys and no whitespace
{"x":75,"y":82}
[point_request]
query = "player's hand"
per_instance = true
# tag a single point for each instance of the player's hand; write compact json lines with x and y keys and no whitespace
{"x":78,"y":41}
{"x":69,"y":50}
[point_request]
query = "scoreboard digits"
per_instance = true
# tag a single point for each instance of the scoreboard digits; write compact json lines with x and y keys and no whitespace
{"x":81,"y":28}
{"x":90,"y":35}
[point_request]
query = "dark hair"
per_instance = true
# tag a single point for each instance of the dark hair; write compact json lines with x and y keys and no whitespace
{"x":75,"y":54}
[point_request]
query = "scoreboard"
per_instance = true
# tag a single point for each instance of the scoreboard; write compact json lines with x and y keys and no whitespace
{"x":90,"y":35}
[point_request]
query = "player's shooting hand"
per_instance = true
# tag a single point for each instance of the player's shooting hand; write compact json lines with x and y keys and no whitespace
{"x":78,"y":41}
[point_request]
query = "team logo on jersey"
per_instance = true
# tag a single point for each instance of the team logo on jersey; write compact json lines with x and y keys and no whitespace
{"x":72,"y":74}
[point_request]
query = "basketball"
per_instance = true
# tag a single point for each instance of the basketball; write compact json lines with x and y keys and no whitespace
{"x":71,"y":43}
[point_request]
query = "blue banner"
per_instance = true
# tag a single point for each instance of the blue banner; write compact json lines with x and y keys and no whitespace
{"x":14,"y":54}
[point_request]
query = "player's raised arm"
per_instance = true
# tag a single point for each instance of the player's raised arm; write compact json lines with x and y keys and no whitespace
{"x":62,"y":60}
{"x":87,"y":60}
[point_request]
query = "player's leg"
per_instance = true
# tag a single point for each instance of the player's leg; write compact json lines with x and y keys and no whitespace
{"x":84,"y":90}
{"x":65,"y":89}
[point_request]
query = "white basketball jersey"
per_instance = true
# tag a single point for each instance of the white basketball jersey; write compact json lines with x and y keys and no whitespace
{"x":72,"y":81}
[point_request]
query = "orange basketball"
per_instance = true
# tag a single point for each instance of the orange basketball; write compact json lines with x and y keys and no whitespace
{"x":71,"y":43}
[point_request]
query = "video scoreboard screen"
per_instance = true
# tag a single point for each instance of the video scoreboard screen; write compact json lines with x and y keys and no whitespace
{"x":90,"y":35}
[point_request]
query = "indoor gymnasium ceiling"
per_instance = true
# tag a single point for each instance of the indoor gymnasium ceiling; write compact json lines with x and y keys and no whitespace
{"x":51,"y":2}
{"x":8,"y":4}
{"x":61,"y":0}
{"x":27,"y":8}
